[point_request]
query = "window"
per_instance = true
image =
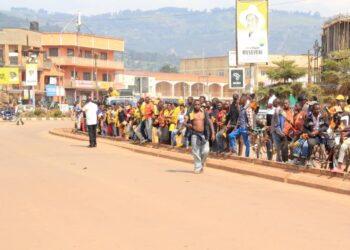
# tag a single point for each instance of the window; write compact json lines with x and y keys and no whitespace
{"x":119,"y":56}
{"x":103,"y":56}
{"x":106,"y":77}
{"x":2,"y":56}
{"x":70,"y":52}
{"x":53,"y":52}
{"x":87,"y":54}
{"x":74,"y":76}
{"x":221,"y":73}
{"x":87,"y":76}
{"x":94,"y":76}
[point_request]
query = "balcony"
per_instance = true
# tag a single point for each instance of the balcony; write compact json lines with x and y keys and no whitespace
{"x":87,"y":62}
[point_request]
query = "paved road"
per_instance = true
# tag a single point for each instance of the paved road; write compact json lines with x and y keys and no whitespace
{"x":57,"y":194}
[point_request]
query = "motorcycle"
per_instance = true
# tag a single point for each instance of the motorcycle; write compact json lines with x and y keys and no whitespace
{"x":8,"y":115}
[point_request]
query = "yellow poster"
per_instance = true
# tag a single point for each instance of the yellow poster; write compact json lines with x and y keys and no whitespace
{"x":9,"y":76}
{"x":105,"y":85}
{"x":252,"y":29}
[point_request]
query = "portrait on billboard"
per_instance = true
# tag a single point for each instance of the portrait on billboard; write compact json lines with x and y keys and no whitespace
{"x":252,"y":36}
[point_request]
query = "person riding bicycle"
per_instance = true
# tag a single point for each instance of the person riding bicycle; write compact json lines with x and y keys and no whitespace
{"x":315,"y":126}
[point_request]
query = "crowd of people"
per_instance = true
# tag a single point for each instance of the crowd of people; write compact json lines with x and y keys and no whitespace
{"x":290,"y":131}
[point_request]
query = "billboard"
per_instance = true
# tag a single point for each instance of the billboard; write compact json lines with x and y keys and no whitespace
{"x":9,"y":76}
{"x":251,"y":31}
{"x":236,"y":78}
{"x":31,"y":75}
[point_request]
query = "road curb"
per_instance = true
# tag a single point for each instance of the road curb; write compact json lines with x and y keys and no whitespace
{"x":324,"y":180}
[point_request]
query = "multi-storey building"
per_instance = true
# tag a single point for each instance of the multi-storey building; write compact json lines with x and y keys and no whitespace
{"x":88,"y":62}
{"x":82,"y":64}
{"x":336,"y":34}
{"x":17,"y":48}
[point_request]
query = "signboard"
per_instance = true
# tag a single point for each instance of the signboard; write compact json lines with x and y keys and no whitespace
{"x":31,"y":75}
{"x":105,"y":85}
{"x":9,"y":76}
{"x":236,"y":78}
{"x":251,"y":31}
{"x":232,"y":59}
{"x":85,"y":84}
{"x":50,"y":90}
{"x":53,"y":80}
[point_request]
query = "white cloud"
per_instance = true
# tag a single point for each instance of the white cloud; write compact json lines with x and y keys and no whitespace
{"x":326,"y":8}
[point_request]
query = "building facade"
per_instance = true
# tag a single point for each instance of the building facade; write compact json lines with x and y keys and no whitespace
{"x":336,"y":35}
{"x":170,"y":86}
{"x":219,"y":66}
{"x":80,"y":64}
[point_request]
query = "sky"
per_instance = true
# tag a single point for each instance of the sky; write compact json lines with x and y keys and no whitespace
{"x":327,"y":8}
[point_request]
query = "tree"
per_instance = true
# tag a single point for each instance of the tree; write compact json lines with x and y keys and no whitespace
{"x":169,"y":69}
{"x":336,"y":71}
{"x":287,"y":70}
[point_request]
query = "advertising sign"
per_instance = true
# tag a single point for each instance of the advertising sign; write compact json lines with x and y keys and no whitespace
{"x":50,"y":90}
{"x":105,"y":85}
{"x":85,"y":84}
{"x":31,"y":75}
{"x":9,"y":76}
{"x":236,"y":78}
{"x":251,"y":32}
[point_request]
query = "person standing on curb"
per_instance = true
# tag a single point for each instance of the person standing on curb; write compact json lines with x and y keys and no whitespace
{"x":90,"y":110}
{"x":202,"y":128}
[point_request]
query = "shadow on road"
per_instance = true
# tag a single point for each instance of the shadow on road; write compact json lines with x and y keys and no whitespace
{"x":79,"y":146}
{"x":180,"y":171}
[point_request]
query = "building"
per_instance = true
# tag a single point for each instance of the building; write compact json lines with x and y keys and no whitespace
{"x":170,"y":86}
{"x":88,"y":62}
{"x":219,"y":66}
{"x":336,"y":34}
{"x":17,"y":48}
{"x":78,"y":65}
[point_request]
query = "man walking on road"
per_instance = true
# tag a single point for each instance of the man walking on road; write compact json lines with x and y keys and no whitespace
{"x":202,"y":128}
{"x":90,"y":110}
{"x":18,"y":111}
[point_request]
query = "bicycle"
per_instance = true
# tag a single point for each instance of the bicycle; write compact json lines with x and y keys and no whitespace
{"x":261,"y":139}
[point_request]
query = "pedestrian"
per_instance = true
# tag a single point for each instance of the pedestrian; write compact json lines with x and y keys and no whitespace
{"x":18,"y":112}
{"x":201,"y":127}
{"x":90,"y":110}
{"x":243,"y":125}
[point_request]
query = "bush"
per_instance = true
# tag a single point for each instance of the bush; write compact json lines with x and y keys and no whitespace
{"x":39,"y":112}
{"x":56,"y":113}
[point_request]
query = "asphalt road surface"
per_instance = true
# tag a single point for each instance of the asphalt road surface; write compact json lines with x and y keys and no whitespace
{"x":57,"y":194}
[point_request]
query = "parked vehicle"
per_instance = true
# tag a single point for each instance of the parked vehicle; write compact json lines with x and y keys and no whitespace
{"x":8,"y":115}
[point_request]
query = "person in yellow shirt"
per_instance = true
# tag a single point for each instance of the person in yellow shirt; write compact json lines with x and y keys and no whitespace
{"x":175,"y":115}
{"x":112,"y":92}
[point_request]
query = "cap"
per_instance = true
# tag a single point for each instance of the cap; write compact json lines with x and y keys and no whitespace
{"x":340,"y":98}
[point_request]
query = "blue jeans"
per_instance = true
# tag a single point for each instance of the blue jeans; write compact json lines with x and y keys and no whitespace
{"x":220,"y":141}
{"x":232,"y":139}
{"x":173,"y":137}
{"x":199,"y":152}
{"x":277,"y":141}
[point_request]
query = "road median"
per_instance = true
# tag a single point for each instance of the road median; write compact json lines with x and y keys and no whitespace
{"x":314,"y":178}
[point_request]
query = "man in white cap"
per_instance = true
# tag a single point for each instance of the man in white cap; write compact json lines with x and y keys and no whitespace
{"x":90,"y":110}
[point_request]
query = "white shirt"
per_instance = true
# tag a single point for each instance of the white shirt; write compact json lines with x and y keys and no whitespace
{"x":90,"y":110}
{"x":272,"y":110}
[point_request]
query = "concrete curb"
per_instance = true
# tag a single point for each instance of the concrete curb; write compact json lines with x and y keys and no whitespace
{"x":321,"y":179}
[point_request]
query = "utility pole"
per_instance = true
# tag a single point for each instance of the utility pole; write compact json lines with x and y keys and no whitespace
{"x":95,"y":72}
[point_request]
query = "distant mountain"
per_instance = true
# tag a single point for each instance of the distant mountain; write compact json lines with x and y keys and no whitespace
{"x":179,"y":32}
